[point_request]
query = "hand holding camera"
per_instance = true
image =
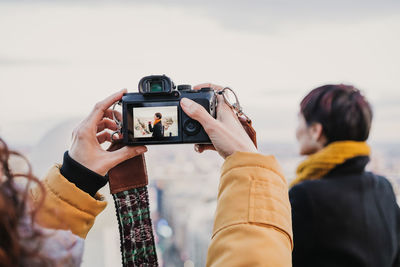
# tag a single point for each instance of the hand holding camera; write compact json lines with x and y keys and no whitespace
{"x":174,"y":116}
{"x":226,"y":132}
{"x":178,"y":114}
{"x":92,"y":132}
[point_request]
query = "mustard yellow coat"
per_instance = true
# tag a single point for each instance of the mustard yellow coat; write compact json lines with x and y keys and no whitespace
{"x":252,"y":224}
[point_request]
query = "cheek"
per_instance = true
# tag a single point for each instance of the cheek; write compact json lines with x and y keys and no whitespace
{"x":304,"y":140}
{"x":303,"y":137}
{"x":298,"y":133}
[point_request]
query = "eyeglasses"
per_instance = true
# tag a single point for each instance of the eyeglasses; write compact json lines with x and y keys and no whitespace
{"x":232,"y":101}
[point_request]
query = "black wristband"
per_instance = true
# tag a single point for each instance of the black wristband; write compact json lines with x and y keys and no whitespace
{"x":85,"y":179}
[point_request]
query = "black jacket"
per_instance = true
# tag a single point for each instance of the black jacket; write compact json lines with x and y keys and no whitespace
{"x":157,"y":130}
{"x":348,"y":218}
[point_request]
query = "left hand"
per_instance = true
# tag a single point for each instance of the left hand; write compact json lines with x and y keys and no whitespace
{"x":89,"y":135}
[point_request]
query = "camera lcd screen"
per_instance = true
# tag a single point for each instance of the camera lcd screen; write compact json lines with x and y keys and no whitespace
{"x":156,"y":123}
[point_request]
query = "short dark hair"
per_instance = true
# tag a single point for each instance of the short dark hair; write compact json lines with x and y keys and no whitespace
{"x":343,"y":111}
{"x":158,"y":115}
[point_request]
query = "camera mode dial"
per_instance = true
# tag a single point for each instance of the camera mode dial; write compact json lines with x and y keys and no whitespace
{"x":184,"y":87}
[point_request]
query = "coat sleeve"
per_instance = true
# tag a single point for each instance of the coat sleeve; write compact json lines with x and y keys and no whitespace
{"x":252,"y":224}
{"x":396,"y":262}
{"x":66,"y":206}
{"x":397,"y":259}
{"x":302,"y":219}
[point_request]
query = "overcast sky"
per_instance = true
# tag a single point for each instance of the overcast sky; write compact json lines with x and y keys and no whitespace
{"x":57,"y":59}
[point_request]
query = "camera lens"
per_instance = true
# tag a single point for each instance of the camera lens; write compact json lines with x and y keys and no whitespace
{"x":156,"y":86}
{"x":191,"y":127}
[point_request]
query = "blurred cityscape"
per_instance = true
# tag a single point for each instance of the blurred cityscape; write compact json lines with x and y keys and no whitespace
{"x":183,"y":189}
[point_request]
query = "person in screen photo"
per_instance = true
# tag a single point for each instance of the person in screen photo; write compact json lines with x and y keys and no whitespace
{"x":156,"y":127}
{"x":155,"y":122}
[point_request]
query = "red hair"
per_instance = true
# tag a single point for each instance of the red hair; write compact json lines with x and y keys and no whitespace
{"x":343,"y":111}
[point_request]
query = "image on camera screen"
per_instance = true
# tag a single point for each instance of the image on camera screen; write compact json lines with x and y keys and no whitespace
{"x":155,"y":122}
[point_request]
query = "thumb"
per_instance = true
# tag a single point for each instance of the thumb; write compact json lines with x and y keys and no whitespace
{"x":126,"y":153}
{"x":197,"y":112}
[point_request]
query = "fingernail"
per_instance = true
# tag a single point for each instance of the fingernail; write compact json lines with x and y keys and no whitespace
{"x":186,"y":103}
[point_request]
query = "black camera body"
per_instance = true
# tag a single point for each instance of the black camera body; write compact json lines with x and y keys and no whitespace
{"x":154,"y":115}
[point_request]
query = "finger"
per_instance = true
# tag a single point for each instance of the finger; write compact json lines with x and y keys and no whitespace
{"x":208,"y":85}
{"x":222,"y":106}
{"x":103,"y":137}
{"x":106,"y":123}
{"x":200,"y":148}
{"x":126,"y":153}
{"x":109,"y":114}
{"x":197,"y":112}
{"x":224,"y":112}
{"x":100,"y":108}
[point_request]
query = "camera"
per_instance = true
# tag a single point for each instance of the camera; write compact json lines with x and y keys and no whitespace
{"x":154,"y":115}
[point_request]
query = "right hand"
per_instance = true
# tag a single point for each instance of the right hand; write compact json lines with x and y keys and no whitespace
{"x":226,"y":132}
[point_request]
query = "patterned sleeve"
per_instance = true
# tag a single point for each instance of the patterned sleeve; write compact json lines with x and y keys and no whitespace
{"x":135,"y":227}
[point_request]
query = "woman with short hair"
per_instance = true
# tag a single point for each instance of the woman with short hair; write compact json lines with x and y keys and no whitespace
{"x":342,"y":215}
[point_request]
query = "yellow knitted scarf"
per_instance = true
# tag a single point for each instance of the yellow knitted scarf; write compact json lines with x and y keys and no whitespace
{"x":156,"y":121}
{"x":320,"y":163}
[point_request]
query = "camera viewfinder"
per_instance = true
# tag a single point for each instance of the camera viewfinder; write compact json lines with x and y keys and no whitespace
{"x":155,"y":84}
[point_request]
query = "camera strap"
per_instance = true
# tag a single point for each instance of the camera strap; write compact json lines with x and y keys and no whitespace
{"x":232,"y":101}
{"x":247,"y":125}
{"x":128,"y":186}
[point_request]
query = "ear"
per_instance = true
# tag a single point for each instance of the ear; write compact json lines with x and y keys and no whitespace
{"x":317,"y":133}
